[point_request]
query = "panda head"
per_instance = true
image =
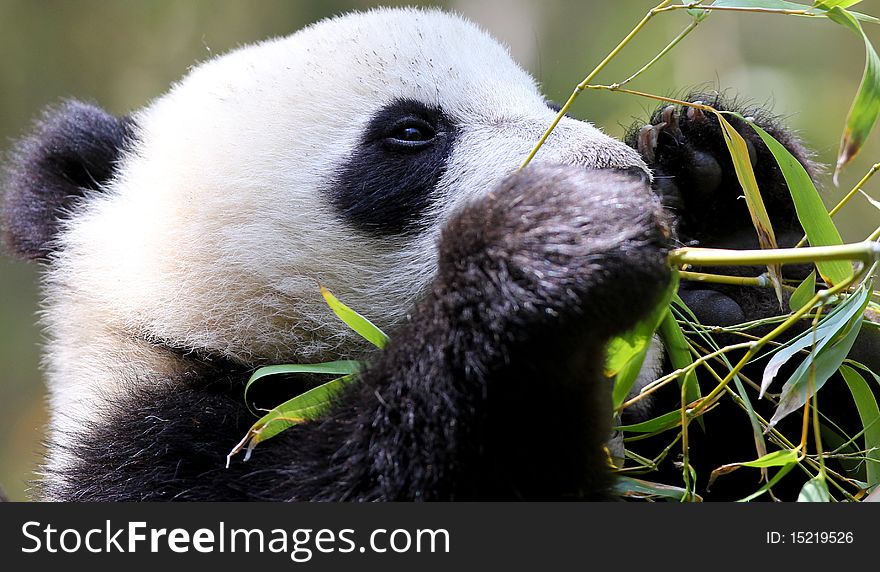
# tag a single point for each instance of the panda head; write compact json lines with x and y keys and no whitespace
{"x":206,"y":221}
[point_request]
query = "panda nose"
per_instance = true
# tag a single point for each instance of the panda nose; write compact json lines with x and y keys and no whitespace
{"x":635,"y":172}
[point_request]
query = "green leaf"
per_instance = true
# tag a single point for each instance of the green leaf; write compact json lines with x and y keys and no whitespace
{"x":305,"y":407}
{"x":355,"y":321}
{"x":697,"y":14}
{"x":739,"y":153}
{"x":774,"y":459}
{"x":829,"y":4}
{"x":869,"y":414}
{"x":865,"y":17}
{"x":785,"y":459}
{"x":687,"y":314}
{"x":680,"y":357}
{"x":344,"y":367}
{"x":678,"y":302}
{"x":826,"y":330}
{"x":815,"y":490}
{"x":811,"y":211}
{"x":655,"y":425}
{"x":866,"y":105}
{"x":626,"y":353}
{"x":803,"y":293}
{"x":821,"y":364}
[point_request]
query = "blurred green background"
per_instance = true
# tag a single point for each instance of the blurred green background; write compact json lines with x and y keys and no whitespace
{"x":121,"y":54}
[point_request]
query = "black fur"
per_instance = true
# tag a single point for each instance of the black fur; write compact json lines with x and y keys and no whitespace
{"x":386,"y":187}
{"x":492,"y":390}
{"x":695,"y":178}
{"x":73,"y":149}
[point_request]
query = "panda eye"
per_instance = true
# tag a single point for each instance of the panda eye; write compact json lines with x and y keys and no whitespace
{"x":410,"y":134}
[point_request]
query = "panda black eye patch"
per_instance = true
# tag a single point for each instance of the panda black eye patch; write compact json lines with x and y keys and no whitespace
{"x":388,"y":182}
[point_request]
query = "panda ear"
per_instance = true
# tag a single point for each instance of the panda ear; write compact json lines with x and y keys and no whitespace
{"x":73,"y":148}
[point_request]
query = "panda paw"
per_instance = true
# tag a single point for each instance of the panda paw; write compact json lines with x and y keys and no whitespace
{"x":694,"y":174}
{"x":561,"y":241}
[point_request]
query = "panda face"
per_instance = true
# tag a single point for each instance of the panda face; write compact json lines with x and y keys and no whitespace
{"x":329,"y":157}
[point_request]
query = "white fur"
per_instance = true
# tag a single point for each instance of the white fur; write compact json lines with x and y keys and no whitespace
{"x":217,"y":232}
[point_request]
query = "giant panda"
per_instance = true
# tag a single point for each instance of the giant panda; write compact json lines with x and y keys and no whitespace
{"x":375,"y":154}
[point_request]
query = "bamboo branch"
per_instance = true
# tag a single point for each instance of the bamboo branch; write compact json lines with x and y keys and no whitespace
{"x":866,"y":252}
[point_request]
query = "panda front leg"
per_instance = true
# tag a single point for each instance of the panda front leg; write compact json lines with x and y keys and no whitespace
{"x":494,"y":389}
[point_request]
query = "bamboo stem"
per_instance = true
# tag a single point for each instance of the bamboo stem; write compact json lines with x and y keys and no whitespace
{"x":581,"y":86}
{"x":658,"y":9}
{"x":759,"y":281}
{"x":866,"y":252}
{"x":690,"y":28}
{"x":757,"y":10}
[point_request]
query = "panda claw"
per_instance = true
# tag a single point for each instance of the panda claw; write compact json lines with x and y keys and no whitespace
{"x":648,"y":141}
{"x":696,"y":115}
{"x":670,"y":120}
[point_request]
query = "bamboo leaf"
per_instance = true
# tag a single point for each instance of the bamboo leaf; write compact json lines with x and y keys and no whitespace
{"x":355,"y":321}
{"x":815,"y":490}
{"x":655,"y":425}
{"x":803,"y":293}
{"x":824,"y":360}
{"x":774,"y":459}
{"x":869,"y":414}
{"x":680,"y":357}
{"x":826,"y":331}
{"x":811,"y":211}
{"x":829,"y":4}
{"x":866,"y":105}
{"x":757,"y":433}
{"x":784,"y":458}
{"x":739,"y":153}
{"x":626,"y":353}
{"x":344,"y":367}
{"x":305,"y":407}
